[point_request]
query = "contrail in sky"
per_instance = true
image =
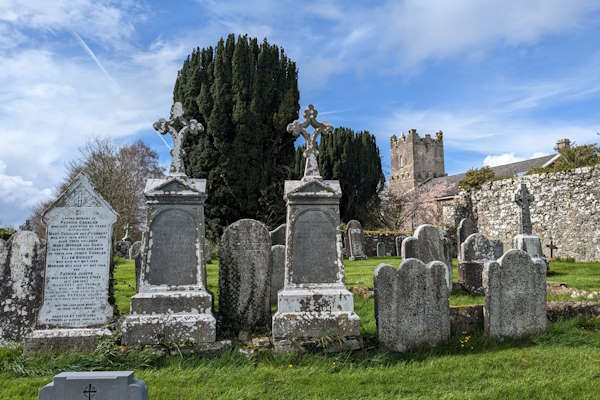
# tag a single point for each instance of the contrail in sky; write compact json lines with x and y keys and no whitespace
{"x":93,"y":56}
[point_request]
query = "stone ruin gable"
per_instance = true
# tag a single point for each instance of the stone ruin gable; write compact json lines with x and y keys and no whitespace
{"x":515,"y":295}
{"x":566,"y":208}
{"x":412,"y":305}
{"x":21,"y":280}
{"x":245,"y":268}
{"x":429,"y":244}
{"x":414,"y":160}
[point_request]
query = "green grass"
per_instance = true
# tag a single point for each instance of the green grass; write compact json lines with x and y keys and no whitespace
{"x":563,"y":362}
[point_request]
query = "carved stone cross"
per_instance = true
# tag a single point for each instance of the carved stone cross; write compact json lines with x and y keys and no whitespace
{"x":177,"y":126}
{"x":552,"y":247}
{"x":522,"y":197}
{"x":297,"y":128}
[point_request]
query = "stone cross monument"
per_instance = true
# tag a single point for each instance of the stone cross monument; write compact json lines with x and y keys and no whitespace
{"x":173,"y":305}
{"x":314,"y":302}
{"x":298,"y":128}
{"x":177,"y":126}
{"x":526,"y":240}
{"x":522,"y":197}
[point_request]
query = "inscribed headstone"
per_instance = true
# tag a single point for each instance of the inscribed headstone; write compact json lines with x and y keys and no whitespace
{"x":356,"y":240}
{"x":77,"y":275}
{"x":476,"y":250}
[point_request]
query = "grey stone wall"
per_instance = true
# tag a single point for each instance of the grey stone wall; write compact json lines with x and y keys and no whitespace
{"x":389,"y":240}
{"x":566,"y":208}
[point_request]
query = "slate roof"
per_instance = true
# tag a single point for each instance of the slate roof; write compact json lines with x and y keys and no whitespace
{"x":506,"y":170}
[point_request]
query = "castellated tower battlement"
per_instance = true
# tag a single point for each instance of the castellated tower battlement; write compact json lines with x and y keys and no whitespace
{"x":415,"y":160}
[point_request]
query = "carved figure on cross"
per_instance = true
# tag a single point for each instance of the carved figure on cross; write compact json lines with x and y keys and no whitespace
{"x":297,"y":128}
{"x":177,"y":126}
{"x":523,"y":198}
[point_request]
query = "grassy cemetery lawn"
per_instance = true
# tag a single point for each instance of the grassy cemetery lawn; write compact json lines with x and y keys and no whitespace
{"x":563,"y":362}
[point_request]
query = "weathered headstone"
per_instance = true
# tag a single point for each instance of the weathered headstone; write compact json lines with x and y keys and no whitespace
{"x":75,"y":306}
{"x":278,"y":273}
{"x":21,"y":284}
{"x":278,"y":235}
{"x":355,"y":238}
{"x":398,"y":241}
{"x":134,"y":250}
{"x":314,"y":301}
{"x":526,"y":240}
{"x":429,"y":244}
{"x":466,"y":227}
{"x":476,"y":250}
{"x":123,"y":245}
{"x":515,"y":295}
{"x":411,"y":304}
{"x":245,"y":266}
{"x":207,"y":253}
{"x":172,"y":305}
{"x":380,"y":249}
{"x":98,"y":385}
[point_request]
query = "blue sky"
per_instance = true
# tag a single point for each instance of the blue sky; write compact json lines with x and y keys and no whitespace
{"x":503,"y":79}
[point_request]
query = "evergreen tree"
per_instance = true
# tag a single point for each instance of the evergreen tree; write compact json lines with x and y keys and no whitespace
{"x":354,"y":160}
{"x":245,"y":94}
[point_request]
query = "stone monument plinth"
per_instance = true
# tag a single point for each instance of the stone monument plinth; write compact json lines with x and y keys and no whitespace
{"x":314,"y":303}
{"x":173,"y":305}
{"x":75,"y":308}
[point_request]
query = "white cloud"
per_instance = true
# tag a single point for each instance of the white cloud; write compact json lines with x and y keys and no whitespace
{"x":500,"y":159}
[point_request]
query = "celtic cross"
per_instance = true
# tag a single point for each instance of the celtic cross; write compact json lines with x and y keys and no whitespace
{"x":522,"y":197}
{"x":298,"y":128}
{"x":177,"y":126}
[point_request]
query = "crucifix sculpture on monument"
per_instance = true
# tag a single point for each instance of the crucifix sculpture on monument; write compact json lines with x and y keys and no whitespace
{"x":177,"y":126}
{"x":297,"y":128}
{"x":523,"y":198}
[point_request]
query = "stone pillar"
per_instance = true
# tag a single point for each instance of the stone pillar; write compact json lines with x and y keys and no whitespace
{"x":314,"y":302}
{"x":172,"y":305}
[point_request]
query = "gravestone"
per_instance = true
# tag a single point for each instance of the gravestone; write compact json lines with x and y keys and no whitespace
{"x":278,"y":235}
{"x":526,"y":240}
{"x":314,"y":301}
{"x":398,"y":241}
{"x":466,"y":227}
{"x":98,"y":385}
{"x":412,"y":305}
{"x":245,"y":266}
{"x":172,"y":305}
{"x":476,"y":250}
{"x":429,"y":244}
{"x":123,"y":245}
{"x":355,"y":238}
{"x":75,"y":308}
{"x":515,"y":295}
{"x":278,"y":273}
{"x":134,"y":250}
{"x":21,"y":284}
{"x":207,"y":253}
{"x":380,"y":249}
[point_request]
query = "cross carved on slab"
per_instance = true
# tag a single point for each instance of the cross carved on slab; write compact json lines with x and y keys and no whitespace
{"x":297,"y":128}
{"x":177,"y":126}
{"x":89,"y":392}
{"x":523,"y":198}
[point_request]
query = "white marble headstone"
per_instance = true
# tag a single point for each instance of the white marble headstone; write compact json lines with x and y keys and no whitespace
{"x":79,"y":226}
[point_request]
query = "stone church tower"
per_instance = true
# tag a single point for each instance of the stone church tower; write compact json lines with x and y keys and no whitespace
{"x":415,"y":160}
